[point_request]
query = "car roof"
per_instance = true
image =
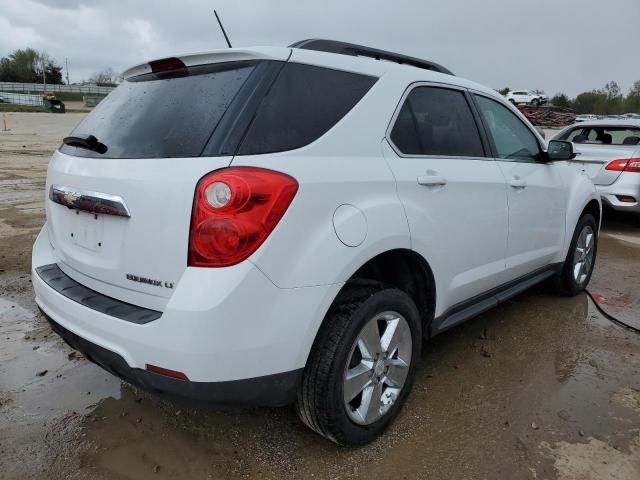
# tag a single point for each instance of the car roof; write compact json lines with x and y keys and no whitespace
{"x":622,"y":122}
{"x":355,"y":64}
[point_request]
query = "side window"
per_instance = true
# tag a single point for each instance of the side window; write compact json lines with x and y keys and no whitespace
{"x":593,"y":135}
{"x":571,"y":135}
{"x":512,"y":139}
{"x":304,"y":103}
{"x":436,"y":121}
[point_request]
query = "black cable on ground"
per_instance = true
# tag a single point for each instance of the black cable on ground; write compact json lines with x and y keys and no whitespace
{"x":610,"y":317}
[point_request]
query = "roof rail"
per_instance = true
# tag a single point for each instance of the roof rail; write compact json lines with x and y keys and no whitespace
{"x":344,"y":48}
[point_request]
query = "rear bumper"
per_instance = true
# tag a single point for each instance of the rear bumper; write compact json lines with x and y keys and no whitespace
{"x":626,"y":185}
{"x":220,"y":327}
{"x":271,"y":390}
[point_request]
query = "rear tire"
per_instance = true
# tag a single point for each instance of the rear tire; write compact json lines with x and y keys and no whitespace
{"x":340,"y":364}
{"x":581,"y":257}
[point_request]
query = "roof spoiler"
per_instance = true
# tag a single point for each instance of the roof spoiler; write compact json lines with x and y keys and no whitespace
{"x":343,"y":48}
{"x":213,"y":56}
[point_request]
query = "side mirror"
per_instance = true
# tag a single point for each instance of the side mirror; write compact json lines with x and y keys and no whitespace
{"x":541,"y":132}
{"x":560,"y":150}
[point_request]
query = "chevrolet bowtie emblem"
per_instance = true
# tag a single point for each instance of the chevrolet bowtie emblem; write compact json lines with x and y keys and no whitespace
{"x":70,"y":198}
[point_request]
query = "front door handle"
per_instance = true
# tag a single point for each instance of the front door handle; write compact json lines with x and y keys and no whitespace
{"x":517,"y":183}
{"x":431,"y":180}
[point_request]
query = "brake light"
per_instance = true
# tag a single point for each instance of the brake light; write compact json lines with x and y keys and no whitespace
{"x":234,"y":211}
{"x":625,"y":165}
{"x":166,"y":64}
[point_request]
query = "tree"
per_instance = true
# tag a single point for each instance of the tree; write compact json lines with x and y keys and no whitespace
{"x":105,"y":78}
{"x":590,"y":102}
{"x":19,"y":66}
{"x":27,"y":66}
{"x":52,"y":72}
{"x":632,"y":102}
{"x":561,"y":100}
{"x":612,"y":90}
{"x":615,"y":100}
{"x":504,"y":91}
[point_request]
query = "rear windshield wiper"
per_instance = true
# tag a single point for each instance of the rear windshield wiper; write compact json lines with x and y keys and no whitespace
{"x":88,"y":142}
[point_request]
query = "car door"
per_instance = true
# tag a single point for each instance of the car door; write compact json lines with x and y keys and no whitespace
{"x":536,"y":190}
{"x":454,"y":195}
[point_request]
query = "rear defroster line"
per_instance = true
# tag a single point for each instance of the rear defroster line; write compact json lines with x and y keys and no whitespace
{"x":610,"y":317}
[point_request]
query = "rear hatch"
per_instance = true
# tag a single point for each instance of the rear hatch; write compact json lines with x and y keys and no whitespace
{"x":122,"y":185}
{"x":593,"y":159}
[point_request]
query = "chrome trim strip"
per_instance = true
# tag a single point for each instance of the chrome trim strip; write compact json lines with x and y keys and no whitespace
{"x":93,"y":202}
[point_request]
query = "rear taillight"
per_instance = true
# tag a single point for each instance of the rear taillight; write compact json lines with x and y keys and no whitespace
{"x":234,"y":211}
{"x":624,"y":165}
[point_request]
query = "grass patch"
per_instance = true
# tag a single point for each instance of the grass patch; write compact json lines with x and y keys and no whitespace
{"x":64,"y":96}
{"x":10,"y":107}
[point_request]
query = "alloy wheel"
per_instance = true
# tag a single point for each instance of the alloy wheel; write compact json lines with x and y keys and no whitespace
{"x":377,"y":367}
{"x":583,"y":255}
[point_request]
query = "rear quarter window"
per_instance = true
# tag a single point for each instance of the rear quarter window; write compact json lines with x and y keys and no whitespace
{"x":302,"y":105}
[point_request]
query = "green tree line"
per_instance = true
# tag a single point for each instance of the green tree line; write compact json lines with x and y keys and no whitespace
{"x":603,"y":101}
{"x":28,"y":66}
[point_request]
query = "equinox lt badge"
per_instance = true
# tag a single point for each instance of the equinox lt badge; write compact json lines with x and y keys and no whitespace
{"x":149,"y":281}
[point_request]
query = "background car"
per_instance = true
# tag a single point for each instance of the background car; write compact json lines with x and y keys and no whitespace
{"x":526,"y":96}
{"x":609,"y":152}
{"x":586,"y":118}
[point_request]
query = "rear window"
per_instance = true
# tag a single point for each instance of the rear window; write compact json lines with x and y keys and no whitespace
{"x":304,"y":103}
{"x":221,"y":109}
{"x":152,"y":117}
{"x":603,"y":135}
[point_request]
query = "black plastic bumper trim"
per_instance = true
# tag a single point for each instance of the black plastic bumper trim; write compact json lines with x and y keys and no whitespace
{"x":267,"y":391}
{"x":67,"y":286}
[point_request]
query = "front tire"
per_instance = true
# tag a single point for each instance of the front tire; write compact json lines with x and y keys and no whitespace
{"x":581,"y":258}
{"x":362,"y":365}
{"x":535,"y":102}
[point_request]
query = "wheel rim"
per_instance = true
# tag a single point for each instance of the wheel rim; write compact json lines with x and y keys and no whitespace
{"x":583,"y":255}
{"x":377,"y":367}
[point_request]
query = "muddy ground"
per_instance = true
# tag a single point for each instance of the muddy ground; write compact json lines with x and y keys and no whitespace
{"x":541,"y":387}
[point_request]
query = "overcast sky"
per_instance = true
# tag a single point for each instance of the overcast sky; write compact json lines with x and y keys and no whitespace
{"x":556,"y":45}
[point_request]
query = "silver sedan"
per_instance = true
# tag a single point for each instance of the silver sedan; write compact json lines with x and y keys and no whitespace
{"x":609,"y":152}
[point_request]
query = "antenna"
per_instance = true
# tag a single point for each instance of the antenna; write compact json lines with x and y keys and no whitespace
{"x":222,"y":28}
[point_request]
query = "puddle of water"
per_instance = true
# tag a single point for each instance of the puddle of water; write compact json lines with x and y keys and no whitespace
{"x":36,"y":374}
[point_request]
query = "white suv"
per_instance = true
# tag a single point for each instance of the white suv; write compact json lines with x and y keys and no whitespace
{"x":275,"y":225}
{"x":527,"y":97}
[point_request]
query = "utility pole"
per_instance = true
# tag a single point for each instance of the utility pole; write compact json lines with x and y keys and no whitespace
{"x":66,"y":61}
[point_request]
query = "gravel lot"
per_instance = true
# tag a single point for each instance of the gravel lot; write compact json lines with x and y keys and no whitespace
{"x":541,"y":387}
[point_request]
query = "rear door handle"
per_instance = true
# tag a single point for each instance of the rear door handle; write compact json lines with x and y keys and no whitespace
{"x":518,"y":183}
{"x":431,"y":180}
